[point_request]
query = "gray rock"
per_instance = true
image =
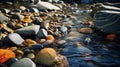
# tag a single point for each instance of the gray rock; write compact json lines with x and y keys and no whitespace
{"x":41,"y":34}
{"x":3,"y":18}
{"x":34,"y":10}
{"x":63,"y":29}
{"x":5,"y":10}
{"x":25,"y":62}
{"x":13,"y":39}
{"x":17,"y":16}
{"x":29,"y":30}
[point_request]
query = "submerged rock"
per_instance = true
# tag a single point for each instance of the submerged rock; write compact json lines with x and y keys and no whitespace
{"x":76,"y":50}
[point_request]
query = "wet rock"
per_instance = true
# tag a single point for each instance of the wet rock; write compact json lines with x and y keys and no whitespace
{"x":19,"y":52}
{"x":33,"y":10}
{"x":11,"y":61}
{"x":27,"y":51}
{"x":75,"y":34}
{"x":111,"y":37}
{"x":28,"y":42}
{"x":27,"y":19}
{"x":17,"y":16}
{"x":16,"y":10}
{"x":41,"y":41}
{"x":47,"y":43}
{"x":78,"y":50}
{"x":3,"y":18}
{"x":41,"y":34}
{"x":13,"y":39}
{"x":42,"y":6}
{"x":62,"y":61}
{"x":28,"y":31}
{"x":13,"y":48}
{"x":61,"y":42}
{"x":51,"y":37}
{"x":46,"y":56}
{"x":45,"y":24}
{"x":31,"y":55}
{"x":24,"y":62}
{"x":6,"y":55}
{"x":85,"y":30}
{"x":22,"y":8}
{"x":3,"y":10}
{"x":9,"y":30}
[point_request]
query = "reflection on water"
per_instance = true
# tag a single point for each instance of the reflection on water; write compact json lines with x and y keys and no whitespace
{"x":98,"y":54}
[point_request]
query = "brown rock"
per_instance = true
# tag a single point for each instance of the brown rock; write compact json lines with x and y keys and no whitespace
{"x":85,"y":30}
{"x":29,"y":42}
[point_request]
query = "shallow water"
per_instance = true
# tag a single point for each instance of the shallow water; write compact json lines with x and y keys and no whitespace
{"x":100,"y":54}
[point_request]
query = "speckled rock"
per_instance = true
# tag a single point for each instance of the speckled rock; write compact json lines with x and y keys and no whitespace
{"x":46,"y":56}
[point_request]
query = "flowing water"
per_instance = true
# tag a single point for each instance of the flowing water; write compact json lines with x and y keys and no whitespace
{"x":99,"y":53}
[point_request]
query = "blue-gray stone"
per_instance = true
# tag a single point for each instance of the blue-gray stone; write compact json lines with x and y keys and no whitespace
{"x":13,"y":39}
{"x":29,"y":30}
{"x":3,"y":18}
{"x":76,"y":51}
{"x":34,"y":10}
{"x":63,"y":29}
{"x":41,"y":34}
{"x":25,"y":62}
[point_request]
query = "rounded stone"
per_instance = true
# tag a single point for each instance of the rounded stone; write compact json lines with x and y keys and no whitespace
{"x":6,"y":55}
{"x":41,"y":34}
{"x":46,"y":56}
{"x":61,"y":42}
{"x":24,"y":62}
{"x":28,"y":31}
{"x":85,"y":30}
{"x":28,"y":42}
{"x":13,"y":48}
{"x":31,"y":55}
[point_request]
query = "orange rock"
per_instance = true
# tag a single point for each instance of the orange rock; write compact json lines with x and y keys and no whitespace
{"x":13,"y":48}
{"x":27,"y":19}
{"x":6,"y":55}
{"x":50,"y":37}
{"x":111,"y":36}
{"x":29,"y":42}
{"x":46,"y":56}
{"x":85,"y":30}
{"x":42,"y":40}
{"x":1,"y":26}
